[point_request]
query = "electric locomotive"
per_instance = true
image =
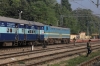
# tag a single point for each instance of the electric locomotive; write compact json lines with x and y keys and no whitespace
{"x":53,"y":34}
{"x":17,"y":32}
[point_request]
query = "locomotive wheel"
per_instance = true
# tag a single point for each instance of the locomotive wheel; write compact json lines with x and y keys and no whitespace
{"x":66,"y":41}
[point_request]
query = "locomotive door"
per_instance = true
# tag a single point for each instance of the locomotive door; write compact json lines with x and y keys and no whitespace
{"x":25,"y":36}
{"x":38,"y":32}
{"x":23,"y":33}
{"x":16,"y":32}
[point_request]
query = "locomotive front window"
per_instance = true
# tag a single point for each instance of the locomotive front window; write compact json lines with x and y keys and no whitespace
{"x":46,"y":28}
{"x":22,"y":30}
{"x":34,"y":31}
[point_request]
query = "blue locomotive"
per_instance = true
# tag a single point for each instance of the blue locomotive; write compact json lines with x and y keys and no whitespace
{"x":53,"y":34}
{"x":17,"y":32}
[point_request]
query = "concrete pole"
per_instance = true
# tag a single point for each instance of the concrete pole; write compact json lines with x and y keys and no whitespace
{"x":32,"y":47}
{"x":20,"y":14}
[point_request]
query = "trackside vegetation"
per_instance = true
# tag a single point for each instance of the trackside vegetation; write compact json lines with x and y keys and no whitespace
{"x":52,"y":12}
{"x":76,"y":61}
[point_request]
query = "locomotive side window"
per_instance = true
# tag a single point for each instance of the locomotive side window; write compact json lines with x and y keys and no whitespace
{"x":7,"y":29}
{"x":10,"y":29}
{"x":30,"y":31}
{"x":34,"y":31}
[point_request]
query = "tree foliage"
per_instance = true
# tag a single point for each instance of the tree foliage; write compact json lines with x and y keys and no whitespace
{"x":87,"y":21}
{"x":49,"y":12}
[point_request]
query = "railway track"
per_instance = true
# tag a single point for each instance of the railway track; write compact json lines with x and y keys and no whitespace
{"x":3,"y":56}
{"x":26,"y":49}
{"x":6,"y":51}
{"x":93,"y":62}
{"x":45,"y":55}
{"x":45,"y":59}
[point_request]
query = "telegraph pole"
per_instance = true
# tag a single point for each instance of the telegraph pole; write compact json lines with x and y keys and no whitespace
{"x":87,"y":28}
{"x":97,"y":4}
{"x":61,"y":16}
{"x":20,"y":12}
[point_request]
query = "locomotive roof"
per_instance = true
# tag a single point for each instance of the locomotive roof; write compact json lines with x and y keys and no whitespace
{"x":7,"y":19}
{"x":55,"y":27}
{"x":38,"y":23}
{"x":58,"y":27}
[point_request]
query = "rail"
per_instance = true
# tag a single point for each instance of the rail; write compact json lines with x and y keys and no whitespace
{"x":50,"y":56}
{"x":91,"y":62}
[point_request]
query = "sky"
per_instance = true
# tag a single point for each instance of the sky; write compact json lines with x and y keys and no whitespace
{"x":85,"y":4}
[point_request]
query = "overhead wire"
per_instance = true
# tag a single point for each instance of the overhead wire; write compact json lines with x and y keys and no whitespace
{"x":80,"y":4}
{"x":96,"y":4}
{"x":84,"y":6}
{"x":93,"y":3}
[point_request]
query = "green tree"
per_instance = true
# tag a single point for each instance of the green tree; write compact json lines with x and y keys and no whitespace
{"x":86,"y":20}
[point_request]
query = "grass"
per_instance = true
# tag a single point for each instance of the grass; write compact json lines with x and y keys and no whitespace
{"x":21,"y":62}
{"x":77,"y":60}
